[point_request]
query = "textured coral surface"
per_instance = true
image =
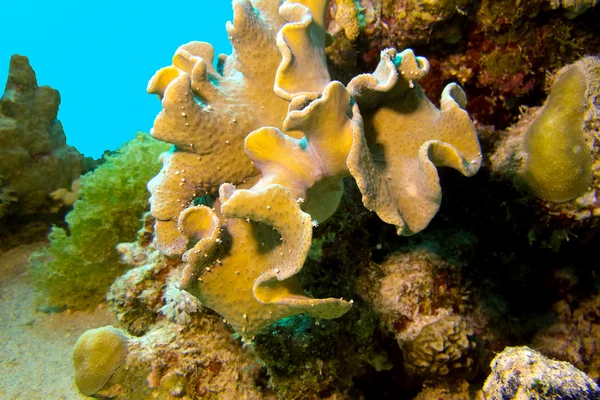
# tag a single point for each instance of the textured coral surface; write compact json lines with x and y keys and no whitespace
{"x":381,"y":129}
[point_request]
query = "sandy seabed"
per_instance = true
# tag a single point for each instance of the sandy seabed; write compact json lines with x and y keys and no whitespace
{"x":35,"y":347}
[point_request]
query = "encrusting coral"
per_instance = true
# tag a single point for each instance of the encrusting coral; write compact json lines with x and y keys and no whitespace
{"x":380,"y":129}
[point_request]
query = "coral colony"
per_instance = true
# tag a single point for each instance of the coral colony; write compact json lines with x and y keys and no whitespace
{"x":277,"y":158}
{"x":269,"y":137}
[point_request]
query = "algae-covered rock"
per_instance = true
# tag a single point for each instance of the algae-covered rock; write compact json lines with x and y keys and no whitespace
{"x":400,"y":290}
{"x":35,"y":160}
{"x":574,"y":335}
{"x":521,"y":373}
{"x":167,"y":363}
{"x":498,"y":50}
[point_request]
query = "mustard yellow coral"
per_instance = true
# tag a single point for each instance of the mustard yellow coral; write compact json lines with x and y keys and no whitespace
{"x":381,"y":129}
{"x":250,"y":280}
{"x":312,"y":168}
{"x":558,"y":161}
{"x":207,"y":113}
{"x":96,"y":356}
{"x":406,"y":137}
{"x":303,"y":68}
{"x":201,"y":224}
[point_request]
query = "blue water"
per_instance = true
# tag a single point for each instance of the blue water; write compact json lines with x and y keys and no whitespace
{"x":101,"y":54}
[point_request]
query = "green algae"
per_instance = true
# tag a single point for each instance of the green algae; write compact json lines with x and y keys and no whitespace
{"x":78,"y":267}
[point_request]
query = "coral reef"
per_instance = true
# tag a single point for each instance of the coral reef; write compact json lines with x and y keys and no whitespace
{"x":168,"y":363}
{"x":299,"y":345}
{"x":574,"y":336}
{"x":284,"y":212}
{"x":35,"y":160}
{"x":76,"y":270}
{"x":522,"y":373}
{"x":335,"y":132}
{"x":499,"y":51}
{"x":241,"y":253}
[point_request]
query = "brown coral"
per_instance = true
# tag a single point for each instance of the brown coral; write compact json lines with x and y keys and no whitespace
{"x":445,"y":348}
{"x":35,"y":160}
{"x":96,"y":356}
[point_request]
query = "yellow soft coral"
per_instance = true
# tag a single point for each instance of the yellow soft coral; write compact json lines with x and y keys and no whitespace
{"x":381,"y":129}
{"x":208,"y":112}
{"x":250,"y":279}
{"x":313,"y":167}
{"x":303,"y":68}
{"x":406,"y":138}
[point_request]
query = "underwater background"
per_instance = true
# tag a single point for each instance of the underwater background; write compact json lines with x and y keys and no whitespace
{"x":320,"y":199}
{"x":100,"y":56}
